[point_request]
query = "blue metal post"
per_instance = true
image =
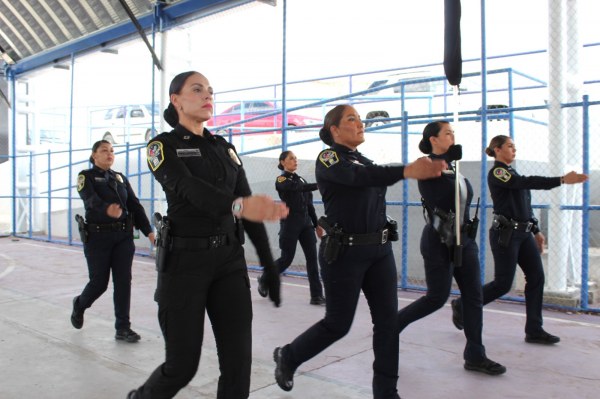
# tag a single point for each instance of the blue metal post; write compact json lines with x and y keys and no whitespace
{"x":13,"y":116}
{"x":70,"y":208}
{"x":483,"y":174}
{"x":31,"y":197}
{"x":49,"y":191}
{"x":585,"y":228}
{"x":511,"y":120}
{"x":284,"y":82}
{"x":127,"y":148}
{"x":404,"y":266}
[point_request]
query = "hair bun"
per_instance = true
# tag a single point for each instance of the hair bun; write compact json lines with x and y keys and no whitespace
{"x":425,"y":146}
{"x":170,"y":115}
{"x":325,"y":135}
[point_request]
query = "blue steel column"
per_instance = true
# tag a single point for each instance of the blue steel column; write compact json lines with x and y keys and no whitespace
{"x":70,"y":207}
{"x":31,"y":197}
{"x":483,"y":174}
{"x":49,"y":167}
{"x":283,"y":82}
{"x":13,"y":115}
{"x":404,"y":259}
{"x":585,"y":228}
{"x":158,"y":16}
{"x":511,"y":104}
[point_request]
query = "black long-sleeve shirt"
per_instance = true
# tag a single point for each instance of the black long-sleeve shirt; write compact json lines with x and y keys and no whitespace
{"x":297,"y":195}
{"x":440,"y":192}
{"x":201,"y":177}
{"x":353,"y":189}
{"x":511,"y":192}
{"x":99,"y":188}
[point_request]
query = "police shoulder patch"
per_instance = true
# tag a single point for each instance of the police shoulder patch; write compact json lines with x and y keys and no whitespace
{"x":80,"y":182}
{"x":281,"y":179}
{"x":502,"y":174}
{"x":328,"y":158}
{"x":155,"y":154}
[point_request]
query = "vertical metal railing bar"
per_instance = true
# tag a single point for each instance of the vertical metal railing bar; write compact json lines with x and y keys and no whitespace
{"x":404,"y":258}
{"x":585,"y":239}
{"x":484,"y":139}
{"x":49,"y":218}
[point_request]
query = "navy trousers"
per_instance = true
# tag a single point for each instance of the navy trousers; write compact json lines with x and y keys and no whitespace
{"x":105,"y":253}
{"x":194,"y":283}
{"x":439,"y":271}
{"x":372,"y":269}
{"x":522,"y":250}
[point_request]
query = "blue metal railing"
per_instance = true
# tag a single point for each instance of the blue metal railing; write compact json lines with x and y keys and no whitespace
{"x":404,"y":124}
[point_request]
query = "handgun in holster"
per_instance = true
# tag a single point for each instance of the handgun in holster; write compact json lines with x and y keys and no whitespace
{"x":163,"y":240}
{"x":332,"y":241}
{"x":83,"y":233}
{"x":392,"y":227}
{"x":443,"y":223}
{"x":504,"y":227}
{"x":239,"y":231}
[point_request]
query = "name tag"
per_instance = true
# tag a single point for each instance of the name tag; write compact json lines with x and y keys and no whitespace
{"x":188,"y":152}
{"x":100,"y":179}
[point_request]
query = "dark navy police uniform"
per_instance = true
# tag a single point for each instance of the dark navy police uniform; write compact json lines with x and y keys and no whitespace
{"x":512,"y":199}
{"x":353,"y":189}
{"x":299,"y":226}
{"x":439,"y":264}
{"x":205,"y":272}
{"x":110,"y":244}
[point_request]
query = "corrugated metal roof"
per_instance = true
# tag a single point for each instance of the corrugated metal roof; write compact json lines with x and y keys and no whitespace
{"x":38,"y":32}
{"x":29,"y":27}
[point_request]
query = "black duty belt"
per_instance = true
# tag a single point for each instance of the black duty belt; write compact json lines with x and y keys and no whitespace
{"x":109,"y":227}
{"x":380,"y":237}
{"x":196,"y":243}
{"x":516,"y":225}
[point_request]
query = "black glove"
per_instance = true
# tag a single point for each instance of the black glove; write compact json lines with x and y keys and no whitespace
{"x":260,"y":240}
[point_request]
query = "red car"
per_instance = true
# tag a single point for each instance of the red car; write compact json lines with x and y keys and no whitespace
{"x":228,"y":119}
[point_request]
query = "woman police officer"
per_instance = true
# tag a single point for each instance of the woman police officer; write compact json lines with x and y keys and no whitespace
{"x":111,"y":212}
{"x":300,"y":225}
{"x":515,"y":237}
{"x":355,"y":254}
{"x":205,"y":270}
{"x":438,"y":243}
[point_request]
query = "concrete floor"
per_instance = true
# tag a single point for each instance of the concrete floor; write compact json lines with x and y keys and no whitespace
{"x":43,"y":356}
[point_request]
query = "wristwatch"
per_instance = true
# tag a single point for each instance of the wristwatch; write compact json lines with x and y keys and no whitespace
{"x":237,"y":207}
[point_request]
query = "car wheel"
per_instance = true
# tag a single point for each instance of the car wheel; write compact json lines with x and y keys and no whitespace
{"x":374,"y":115}
{"x":108,"y":137}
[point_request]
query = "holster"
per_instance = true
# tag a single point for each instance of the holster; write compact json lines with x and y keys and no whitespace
{"x":392,"y":227}
{"x":504,"y":226}
{"x":83,"y":233}
{"x":333,"y":241}
{"x":239,"y":231}
{"x":163,"y":240}
{"x":443,"y":223}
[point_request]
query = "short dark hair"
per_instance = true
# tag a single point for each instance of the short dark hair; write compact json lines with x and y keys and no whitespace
{"x":432,"y":129}
{"x":95,"y":147}
{"x":332,"y":118}
{"x":282,"y":156}
{"x":170,"y":113}
{"x":496,"y":142}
